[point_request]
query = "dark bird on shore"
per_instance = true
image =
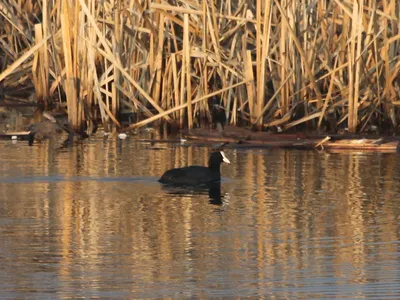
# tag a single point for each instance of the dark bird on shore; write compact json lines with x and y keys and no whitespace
{"x":218,"y":116}
{"x":197,"y":175}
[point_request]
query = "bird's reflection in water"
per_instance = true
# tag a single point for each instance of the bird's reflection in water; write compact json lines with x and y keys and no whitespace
{"x":214,"y":192}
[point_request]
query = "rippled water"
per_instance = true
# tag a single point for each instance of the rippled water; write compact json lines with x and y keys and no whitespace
{"x":91,"y":221}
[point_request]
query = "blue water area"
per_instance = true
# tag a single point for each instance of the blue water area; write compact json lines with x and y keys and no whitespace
{"x":58,"y":178}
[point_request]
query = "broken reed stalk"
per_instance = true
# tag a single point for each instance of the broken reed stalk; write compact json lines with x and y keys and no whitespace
{"x":11,"y":68}
{"x":151,"y":57}
{"x":70,"y":80}
{"x":187,"y":66}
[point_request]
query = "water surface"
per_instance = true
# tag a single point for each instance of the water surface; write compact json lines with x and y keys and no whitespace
{"x":91,"y":221}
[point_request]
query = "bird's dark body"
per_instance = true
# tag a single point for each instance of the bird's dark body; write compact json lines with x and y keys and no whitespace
{"x":190,"y":176}
{"x":196,"y":175}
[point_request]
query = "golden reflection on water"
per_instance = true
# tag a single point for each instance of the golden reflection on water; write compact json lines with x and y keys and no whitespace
{"x":93,"y":217}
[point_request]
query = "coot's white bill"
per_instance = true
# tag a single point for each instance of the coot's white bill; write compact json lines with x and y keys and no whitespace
{"x":224,"y":158}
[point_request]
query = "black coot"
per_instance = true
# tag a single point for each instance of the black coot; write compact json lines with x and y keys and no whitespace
{"x":196,"y":175}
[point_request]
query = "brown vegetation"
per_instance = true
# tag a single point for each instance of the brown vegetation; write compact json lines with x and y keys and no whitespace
{"x":329,"y":63}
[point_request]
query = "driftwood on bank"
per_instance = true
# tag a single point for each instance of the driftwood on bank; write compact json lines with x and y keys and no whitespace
{"x":243,"y":138}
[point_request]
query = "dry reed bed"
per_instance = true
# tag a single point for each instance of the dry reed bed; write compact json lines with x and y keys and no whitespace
{"x":329,"y":59}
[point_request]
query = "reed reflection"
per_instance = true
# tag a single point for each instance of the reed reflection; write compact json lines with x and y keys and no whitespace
{"x":297,"y":220}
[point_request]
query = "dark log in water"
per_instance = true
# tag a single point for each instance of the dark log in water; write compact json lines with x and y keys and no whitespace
{"x":239,"y":137}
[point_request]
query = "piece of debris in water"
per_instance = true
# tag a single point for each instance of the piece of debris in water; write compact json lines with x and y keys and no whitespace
{"x":122,"y":136}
